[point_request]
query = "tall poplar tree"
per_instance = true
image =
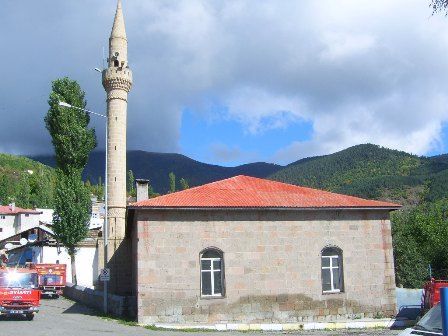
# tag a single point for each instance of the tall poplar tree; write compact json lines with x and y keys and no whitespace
{"x":73,"y":141}
{"x":172,"y":178}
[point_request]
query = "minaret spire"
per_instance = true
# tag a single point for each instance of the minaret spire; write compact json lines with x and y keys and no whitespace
{"x":118,"y":29}
{"x":118,"y":43}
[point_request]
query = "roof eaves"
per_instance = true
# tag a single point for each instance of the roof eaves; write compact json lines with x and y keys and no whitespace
{"x":327,"y":208}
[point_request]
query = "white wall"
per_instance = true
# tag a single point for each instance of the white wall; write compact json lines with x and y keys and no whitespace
{"x":46,"y":216}
{"x":7,"y":225}
{"x":86,"y":262}
{"x":27,"y":222}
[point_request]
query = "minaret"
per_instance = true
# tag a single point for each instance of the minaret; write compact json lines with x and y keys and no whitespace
{"x":117,"y":81}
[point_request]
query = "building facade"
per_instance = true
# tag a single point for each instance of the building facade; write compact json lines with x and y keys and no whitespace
{"x":256,"y":251}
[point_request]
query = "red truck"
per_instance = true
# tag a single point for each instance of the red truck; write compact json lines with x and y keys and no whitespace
{"x":431,"y":293}
{"x":19,"y":294}
{"x":51,"y":278}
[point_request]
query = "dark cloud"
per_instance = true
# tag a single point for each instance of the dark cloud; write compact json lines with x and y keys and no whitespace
{"x":359,"y":70}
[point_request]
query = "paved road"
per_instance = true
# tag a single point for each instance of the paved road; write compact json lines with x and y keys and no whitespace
{"x":65,"y":318}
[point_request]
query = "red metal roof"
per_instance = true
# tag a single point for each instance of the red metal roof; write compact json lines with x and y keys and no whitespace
{"x":12,"y":211}
{"x":250,"y":192}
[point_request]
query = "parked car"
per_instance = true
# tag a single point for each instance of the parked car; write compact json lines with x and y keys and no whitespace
{"x":430,"y":324}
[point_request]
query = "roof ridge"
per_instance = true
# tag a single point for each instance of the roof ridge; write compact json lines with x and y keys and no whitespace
{"x":247,"y":191}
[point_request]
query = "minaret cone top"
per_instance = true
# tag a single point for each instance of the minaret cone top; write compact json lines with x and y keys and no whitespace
{"x":119,"y":29}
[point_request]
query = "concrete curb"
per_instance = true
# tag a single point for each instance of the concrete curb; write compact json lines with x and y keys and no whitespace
{"x":352,"y":324}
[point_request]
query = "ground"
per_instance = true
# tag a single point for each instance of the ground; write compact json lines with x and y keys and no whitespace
{"x":67,"y":318}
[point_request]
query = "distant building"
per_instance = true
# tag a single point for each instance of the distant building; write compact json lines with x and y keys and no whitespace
{"x":98,"y":214}
{"x":14,"y":219}
{"x":256,"y":251}
{"x":41,"y":247}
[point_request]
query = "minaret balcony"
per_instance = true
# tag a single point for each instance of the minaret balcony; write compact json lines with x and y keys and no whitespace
{"x":117,"y":79}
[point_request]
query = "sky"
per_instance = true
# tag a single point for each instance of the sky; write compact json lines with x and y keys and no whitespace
{"x":231,"y":82}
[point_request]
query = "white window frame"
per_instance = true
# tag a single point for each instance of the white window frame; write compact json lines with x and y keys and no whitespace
{"x":212,"y":272}
{"x":331,"y":268}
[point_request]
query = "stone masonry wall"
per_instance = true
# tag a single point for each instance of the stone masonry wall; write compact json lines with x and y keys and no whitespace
{"x":272,"y":265}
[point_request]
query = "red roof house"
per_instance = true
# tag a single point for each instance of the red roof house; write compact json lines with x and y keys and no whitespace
{"x":251,"y":250}
{"x":12,"y":210}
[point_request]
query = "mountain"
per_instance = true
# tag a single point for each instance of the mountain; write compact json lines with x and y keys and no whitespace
{"x":367,"y":171}
{"x":26,"y":182}
{"x":371,"y":171}
{"x":157,"y":166}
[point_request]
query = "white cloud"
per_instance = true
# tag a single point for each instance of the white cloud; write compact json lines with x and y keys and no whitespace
{"x":259,"y":110}
{"x":358,"y":70}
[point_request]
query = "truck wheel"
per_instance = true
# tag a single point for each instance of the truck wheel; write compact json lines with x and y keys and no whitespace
{"x":29,"y":317}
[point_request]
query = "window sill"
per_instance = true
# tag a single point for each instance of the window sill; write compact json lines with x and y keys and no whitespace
{"x":332,"y":292}
{"x":212,"y":297}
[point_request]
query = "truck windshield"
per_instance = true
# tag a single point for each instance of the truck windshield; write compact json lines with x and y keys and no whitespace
{"x":432,"y":321}
{"x":50,"y":280}
{"x":12,"y":279}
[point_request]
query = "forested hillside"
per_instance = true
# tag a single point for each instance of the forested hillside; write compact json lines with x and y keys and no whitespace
{"x":26,"y":182}
{"x":157,"y":166}
{"x":372,"y":171}
{"x":369,"y":171}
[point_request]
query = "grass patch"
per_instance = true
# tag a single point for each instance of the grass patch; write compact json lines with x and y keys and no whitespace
{"x":120,"y":320}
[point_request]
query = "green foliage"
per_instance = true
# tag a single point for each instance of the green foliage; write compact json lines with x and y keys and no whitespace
{"x":68,"y":127}
{"x":420,"y":238}
{"x":172,"y":179}
{"x":26,"y":182}
{"x":73,"y":141}
{"x":370,"y":171}
{"x":131,"y":184}
{"x":72,"y":210}
{"x":342,"y":169}
{"x":439,"y":6}
{"x":151,"y":192}
{"x":184,"y":184}
{"x":410,"y":264}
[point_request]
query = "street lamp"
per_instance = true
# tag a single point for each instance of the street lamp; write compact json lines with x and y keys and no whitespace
{"x":105,"y":228}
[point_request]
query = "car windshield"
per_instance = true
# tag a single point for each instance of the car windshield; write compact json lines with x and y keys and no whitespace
{"x":432,"y":320}
{"x":12,"y":279}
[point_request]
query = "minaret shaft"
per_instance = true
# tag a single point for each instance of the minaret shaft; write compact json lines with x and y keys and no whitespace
{"x":117,"y":81}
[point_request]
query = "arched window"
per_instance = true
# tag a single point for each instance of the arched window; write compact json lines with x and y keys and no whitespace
{"x":332,"y":271}
{"x":212,"y":272}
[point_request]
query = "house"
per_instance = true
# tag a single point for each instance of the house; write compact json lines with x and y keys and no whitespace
{"x":251,"y":250}
{"x":38,"y":245}
{"x":14,"y":219}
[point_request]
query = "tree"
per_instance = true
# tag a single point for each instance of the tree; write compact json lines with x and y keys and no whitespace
{"x":72,"y":214}
{"x":172,"y":178}
{"x":419,"y":239}
{"x":410,"y":264}
{"x":73,"y":141}
{"x":439,"y":6}
{"x":184,"y":184}
{"x":131,"y":184}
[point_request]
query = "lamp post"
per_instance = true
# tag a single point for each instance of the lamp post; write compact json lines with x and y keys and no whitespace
{"x":105,"y":226}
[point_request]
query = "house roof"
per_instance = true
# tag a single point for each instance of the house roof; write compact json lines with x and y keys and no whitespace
{"x":250,"y":192}
{"x":12,"y":211}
